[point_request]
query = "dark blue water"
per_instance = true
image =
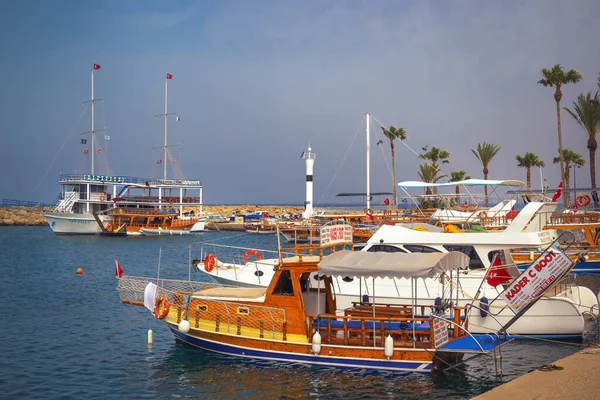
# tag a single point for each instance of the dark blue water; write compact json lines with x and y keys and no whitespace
{"x":68,"y":336}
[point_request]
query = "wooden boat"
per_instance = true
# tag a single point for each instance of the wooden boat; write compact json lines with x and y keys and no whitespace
{"x":261,"y":228}
{"x":294,"y":319}
{"x":134,"y":221}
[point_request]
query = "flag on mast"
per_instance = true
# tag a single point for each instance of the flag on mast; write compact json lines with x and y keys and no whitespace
{"x":119,"y":270}
{"x":497,"y":274}
{"x":96,"y":66}
{"x":169,"y":76}
{"x":558,"y":192}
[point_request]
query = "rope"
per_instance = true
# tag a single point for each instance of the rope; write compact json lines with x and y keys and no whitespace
{"x":60,"y":151}
{"x":341,"y":163}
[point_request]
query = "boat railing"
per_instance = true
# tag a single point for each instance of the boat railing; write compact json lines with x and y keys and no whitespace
{"x":574,"y":218}
{"x":67,"y":178}
{"x":241,"y":319}
{"x":236,"y":255}
{"x":131,"y":289}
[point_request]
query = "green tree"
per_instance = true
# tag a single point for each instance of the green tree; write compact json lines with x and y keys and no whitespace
{"x":456,"y":176}
{"x":586,"y":112}
{"x":528,"y":161}
{"x":485,"y":152}
{"x":429,"y":174}
{"x":393,"y":133}
{"x":570,"y":158}
{"x":557,"y":78}
{"x":434,"y":157}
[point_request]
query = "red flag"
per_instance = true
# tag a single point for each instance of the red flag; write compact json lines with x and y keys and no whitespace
{"x":558,"y":192}
{"x":497,"y":275}
{"x":386,"y":202}
{"x":169,"y":76}
{"x":265,"y":215}
{"x":96,"y":66}
{"x":119,"y":270}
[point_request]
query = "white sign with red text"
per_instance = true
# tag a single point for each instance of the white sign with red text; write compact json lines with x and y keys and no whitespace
{"x":440,"y":332}
{"x":333,"y":234}
{"x":542,"y":273}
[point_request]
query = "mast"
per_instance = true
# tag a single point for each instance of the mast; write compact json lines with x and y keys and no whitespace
{"x":368,"y":118}
{"x":93,"y":135}
{"x":165,"y":146}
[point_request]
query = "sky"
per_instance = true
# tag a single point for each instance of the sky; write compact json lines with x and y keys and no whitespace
{"x":254,"y":82}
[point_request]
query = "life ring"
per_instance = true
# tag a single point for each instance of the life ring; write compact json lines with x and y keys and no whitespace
{"x":209,"y":263}
{"x":369,"y":212}
{"x":171,"y":200}
{"x":99,"y":151}
{"x":582,"y":200}
{"x":256,"y":253}
{"x":101,"y":198}
{"x":155,"y":212}
{"x":85,"y":151}
{"x":483,"y":215}
{"x":165,"y":304}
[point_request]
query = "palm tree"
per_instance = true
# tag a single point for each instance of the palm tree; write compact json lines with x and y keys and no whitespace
{"x":528,"y":161}
{"x":429,"y":174}
{"x":485,"y":152}
{"x":586,"y":112}
{"x":569,"y":158}
{"x":434,"y":156}
{"x":557,"y":78}
{"x":392,"y":134}
{"x":456,"y":176}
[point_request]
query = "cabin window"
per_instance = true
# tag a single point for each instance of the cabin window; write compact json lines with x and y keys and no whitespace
{"x":243,"y":311}
{"x":385,"y":248}
{"x":420,"y":249}
{"x":469,"y":251}
{"x":284,"y":285}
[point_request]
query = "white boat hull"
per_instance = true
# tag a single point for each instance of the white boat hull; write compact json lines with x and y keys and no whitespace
{"x":198,"y":226}
{"x":558,"y":316}
{"x":164,"y":232}
{"x":73,"y":224}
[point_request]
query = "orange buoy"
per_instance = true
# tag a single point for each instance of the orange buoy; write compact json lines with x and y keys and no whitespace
{"x":79,"y":271}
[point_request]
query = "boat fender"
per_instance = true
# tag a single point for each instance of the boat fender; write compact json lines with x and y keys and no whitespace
{"x":316,"y":343}
{"x":157,"y":304}
{"x":483,"y":306}
{"x":365,"y":298}
{"x":252,"y":251}
{"x":388,"y":349}
{"x":184,"y":326}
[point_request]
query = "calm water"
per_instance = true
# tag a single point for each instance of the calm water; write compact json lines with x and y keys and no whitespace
{"x":68,"y":336}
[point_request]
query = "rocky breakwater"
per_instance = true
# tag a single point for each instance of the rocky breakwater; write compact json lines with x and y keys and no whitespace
{"x":21,"y":216}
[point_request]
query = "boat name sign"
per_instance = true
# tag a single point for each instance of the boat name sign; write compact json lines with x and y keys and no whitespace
{"x":536,"y":278}
{"x":547,"y":236}
{"x":334,"y":234}
{"x":440,"y":332}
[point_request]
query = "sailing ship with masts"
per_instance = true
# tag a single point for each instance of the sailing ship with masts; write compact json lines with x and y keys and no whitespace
{"x":118,"y":204}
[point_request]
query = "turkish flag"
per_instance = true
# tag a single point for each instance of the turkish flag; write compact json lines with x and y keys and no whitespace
{"x":558,"y":192}
{"x":386,"y":202}
{"x":96,"y":66}
{"x":169,"y":76}
{"x":497,"y":275}
{"x":265,"y":215}
{"x":119,"y":270}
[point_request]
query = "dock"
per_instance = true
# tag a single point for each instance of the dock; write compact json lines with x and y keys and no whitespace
{"x":573,"y":377}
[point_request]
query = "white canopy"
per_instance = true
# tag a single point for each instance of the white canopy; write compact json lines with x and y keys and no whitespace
{"x":390,"y":265}
{"x":468,"y":182}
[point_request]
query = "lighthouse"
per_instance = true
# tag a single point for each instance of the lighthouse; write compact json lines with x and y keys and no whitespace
{"x":309,"y":160}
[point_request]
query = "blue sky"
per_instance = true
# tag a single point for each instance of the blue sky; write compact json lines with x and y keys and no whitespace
{"x":255,"y":81}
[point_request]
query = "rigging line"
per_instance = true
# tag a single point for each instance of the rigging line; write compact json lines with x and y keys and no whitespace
{"x":60,"y":151}
{"x":341,"y":163}
{"x":404,"y":143}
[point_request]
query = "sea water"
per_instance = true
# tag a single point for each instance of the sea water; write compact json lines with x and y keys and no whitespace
{"x":67,"y":336}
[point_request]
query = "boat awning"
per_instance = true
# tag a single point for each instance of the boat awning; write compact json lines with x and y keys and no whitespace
{"x":390,"y":265}
{"x":467,"y":182}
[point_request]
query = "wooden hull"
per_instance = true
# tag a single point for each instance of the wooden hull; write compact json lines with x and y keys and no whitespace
{"x":415,"y":360}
